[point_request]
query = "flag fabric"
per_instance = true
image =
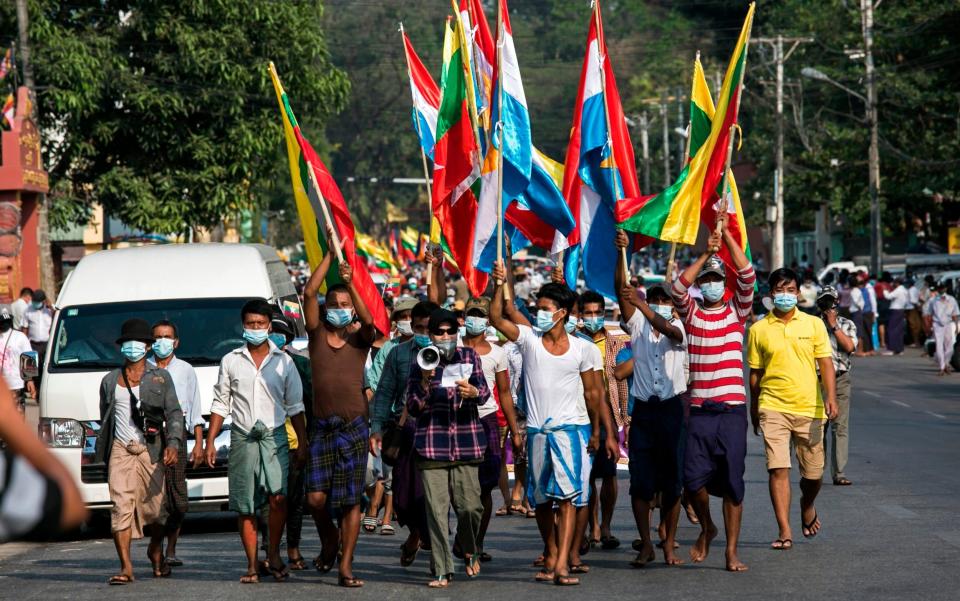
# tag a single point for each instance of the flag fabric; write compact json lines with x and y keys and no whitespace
{"x":302,"y":158}
{"x":599,"y":170}
{"x":482,"y":56}
{"x":515,"y":157}
{"x":8,"y":110}
{"x":6,"y":64}
{"x":674,"y":215}
{"x":541,"y":211}
{"x":457,"y":160}
{"x":426,"y":98}
{"x":409,"y":244}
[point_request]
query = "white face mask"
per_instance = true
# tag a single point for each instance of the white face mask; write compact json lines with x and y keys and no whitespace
{"x":405,"y":327}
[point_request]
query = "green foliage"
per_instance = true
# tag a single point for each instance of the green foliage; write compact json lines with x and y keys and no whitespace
{"x":164,"y":111}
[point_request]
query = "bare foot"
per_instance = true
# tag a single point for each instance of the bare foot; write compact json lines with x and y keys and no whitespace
{"x":669,"y":554}
{"x":691,"y":514}
{"x":701,"y":548}
{"x":645,"y":556}
{"x":734,"y":564}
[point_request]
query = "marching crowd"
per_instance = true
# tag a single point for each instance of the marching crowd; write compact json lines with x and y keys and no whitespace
{"x":362,"y":431}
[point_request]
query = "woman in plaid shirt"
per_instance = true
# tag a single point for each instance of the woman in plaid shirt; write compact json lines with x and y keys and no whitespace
{"x":449,"y":444}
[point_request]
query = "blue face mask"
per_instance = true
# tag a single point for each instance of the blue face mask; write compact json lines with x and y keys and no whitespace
{"x":279,"y":340}
{"x":664,"y":311}
{"x":255,"y":337}
{"x":593,"y":324}
{"x":339,"y":318}
{"x":784,"y":301}
{"x":545,"y":320}
{"x":712,"y":291}
{"x":133,"y":350}
{"x":36,"y":306}
{"x":421,"y":340}
{"x":476,"y":325}
{"x":163,"y":348}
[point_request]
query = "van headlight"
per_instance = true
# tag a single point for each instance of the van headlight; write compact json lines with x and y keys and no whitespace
{"x":61,"y":433}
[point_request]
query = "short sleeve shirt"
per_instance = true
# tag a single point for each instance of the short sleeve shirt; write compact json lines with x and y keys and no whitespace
{"x":493,"y":363}
{"x":552,"y":382}
{"x":787,"y":352}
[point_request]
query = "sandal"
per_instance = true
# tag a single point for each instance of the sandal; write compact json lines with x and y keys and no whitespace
{"x":349,"y":582}
{"x":484,"y":557}
{"x":538,"y":562}
{"x":544,"y":576}
{"x":809,"y":527}
{"x":609,"y":542}
{"x":162,"y":570}
{"x":517,"y":509}
{"x":173,"y":562}
{"x":322,"y":564}
{"x":502,"y":511}
{"x":580,"y":568}
{"x":279,"y":574}
{"x":252,"y":578}
{"x":566,"y":580}
{"x":120,"y":579}
{"x":782,"y":544}
{"x":387,"y":530}
{"x":531,"y":514}
{"x":841,"y":481}
{"x":407,"y":559}
{"x":297,"y":563}
{"x":473,"y":566}
{"x":369,"y":524}
{"x":440,"y":582}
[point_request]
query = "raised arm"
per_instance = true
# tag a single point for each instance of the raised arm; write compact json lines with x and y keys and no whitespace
{"x":497,"y":317}
{"x":311,"y":306}
{"x":627,"y":308}
{"x":436,"y":288}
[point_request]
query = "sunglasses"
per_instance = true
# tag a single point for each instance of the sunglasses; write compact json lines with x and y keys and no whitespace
{"x":442,"y":331}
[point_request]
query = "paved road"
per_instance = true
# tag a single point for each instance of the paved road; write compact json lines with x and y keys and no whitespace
{"x":893,"y":535}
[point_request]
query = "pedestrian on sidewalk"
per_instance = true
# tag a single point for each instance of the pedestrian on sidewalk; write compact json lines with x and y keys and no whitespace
{"x":135,"y":402}
{"x":942,"y":315}
{"x":166,"y":341}
{"x":843,"y":341}
{"x":338,"y":448}
{"x":14,"y":343}
{"x":784,"y":351}
{"x":449,"y":444}
{"x":897,"y":323}
{"x":18,"y":309}
{"x":258,"y":388}
{"x":914,"y":314}
{"x":716,"y":442}
{"x":38,"y":320}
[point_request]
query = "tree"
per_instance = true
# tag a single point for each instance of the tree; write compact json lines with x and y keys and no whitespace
{"x":163,"y":112}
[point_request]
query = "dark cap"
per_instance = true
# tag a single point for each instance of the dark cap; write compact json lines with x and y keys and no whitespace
{"x":440,"y":317}
{"x":713,"y":265}
{"x":828,"y":291}
{"x":136,"y":329}
{"x":478,"y":303}
{"x":39,"y":296}
{"x":281,"y":325}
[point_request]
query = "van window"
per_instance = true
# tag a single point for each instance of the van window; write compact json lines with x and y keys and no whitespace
{"x":85,"y":335}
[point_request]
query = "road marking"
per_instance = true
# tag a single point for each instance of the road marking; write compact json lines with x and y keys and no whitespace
{"x":896,"y":511}
{"x":871,"y":393}
{"x":937,"y":415}
{"x":901,"y":403}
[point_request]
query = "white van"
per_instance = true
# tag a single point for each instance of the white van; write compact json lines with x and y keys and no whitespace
{"x":198,"y":287}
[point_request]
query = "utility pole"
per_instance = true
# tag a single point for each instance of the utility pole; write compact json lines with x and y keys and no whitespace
{"x":777,"y":255}
{"x":876,"y":233}
{"x":645,"y":149}
{"x":43,"y":227}
{"x":666,"y":141}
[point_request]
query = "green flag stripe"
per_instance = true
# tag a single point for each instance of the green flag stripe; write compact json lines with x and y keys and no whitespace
{"x":453,"y":87}
{"x":699,"y":128}
{"x":650,"y":219}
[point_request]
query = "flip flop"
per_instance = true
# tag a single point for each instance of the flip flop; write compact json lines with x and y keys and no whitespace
{"x":609,"y":542}
{"x":279,"y":574}
{"x":162,"y":570}
{"x":252,"y":578}
{"x":808,"y":527}
{"x":349,"y":582}
{"x":440,"y":582}
{"x":504,"y":510}
{"x":120,"y":579}
{"x":841,"y":481}
{"x":517,"y":509}
{"x":406,"y":560}
{"x":580,"y":568}
{"x":484,"y":557}
{"x":297,"y":563}
{"x":473,"y":563}
{"x":173,"y":562}
{"x":544,"y":576}
{"x":566,"y":580}
{"x":782,"y":544}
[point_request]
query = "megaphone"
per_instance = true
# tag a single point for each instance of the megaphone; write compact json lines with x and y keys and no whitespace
{"x":428,"y":358}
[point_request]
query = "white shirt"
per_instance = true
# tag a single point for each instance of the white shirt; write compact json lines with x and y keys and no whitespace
{"x":18,"y":309}
{"x":493,"y":363}
{"x":246,"y":394}
{"x":856,"y":299}
{"x":38,"y":323}
{"x":553,"y":382}
{"x":188,"y":392}
{"x":897,"y":298}
{"x":124,"y":429}
{"x":942,"y":309}
{"x":658,"y":361}
{"x":913,"y":297}
{"x":12,"y":344}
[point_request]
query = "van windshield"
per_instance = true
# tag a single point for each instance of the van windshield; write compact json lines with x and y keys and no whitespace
{"x":85,"y":337}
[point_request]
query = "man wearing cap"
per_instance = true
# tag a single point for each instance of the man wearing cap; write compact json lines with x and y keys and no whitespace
{"x":135,"y":402}
{"x":38,"y":320}
{"x":12,"y":344}
{"x":493,"y":359}
{"x":380,"y":475}
{"x":716,"y":445}
{"x":843,"y":341}
{"x":942,"y":314}
{"x":258,"y":389}
{"x":166,"y":341}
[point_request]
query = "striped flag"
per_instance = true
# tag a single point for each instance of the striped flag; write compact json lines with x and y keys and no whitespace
{"x":426,"y":98}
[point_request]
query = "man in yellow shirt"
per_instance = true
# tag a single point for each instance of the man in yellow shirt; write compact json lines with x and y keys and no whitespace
{"x":784,"y":351}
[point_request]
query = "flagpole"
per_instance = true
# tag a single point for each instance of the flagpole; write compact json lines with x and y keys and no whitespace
{"x":602,"y":52}
{"x":471,"y":92}
{"x":499,"y":128}
{"x":671,"y":262}
{"x":423,"y":156}
{"x":733,"y":127}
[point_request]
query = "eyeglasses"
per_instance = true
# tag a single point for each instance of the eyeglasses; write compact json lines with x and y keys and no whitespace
{"x":442,"y":331}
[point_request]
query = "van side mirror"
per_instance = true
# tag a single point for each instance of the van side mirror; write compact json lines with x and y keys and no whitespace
{"x":29,"y":365}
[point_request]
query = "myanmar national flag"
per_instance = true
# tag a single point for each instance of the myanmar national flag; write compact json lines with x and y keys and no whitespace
{"x":674,"y":214}
{"x":302,"y":158}
{"x":457,"y":160}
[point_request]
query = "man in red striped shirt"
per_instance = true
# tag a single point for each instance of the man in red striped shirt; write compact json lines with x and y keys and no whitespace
{"x":717,"y":430}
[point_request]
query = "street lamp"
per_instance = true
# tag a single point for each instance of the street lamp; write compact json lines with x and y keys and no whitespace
{"x":873,"y":157}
